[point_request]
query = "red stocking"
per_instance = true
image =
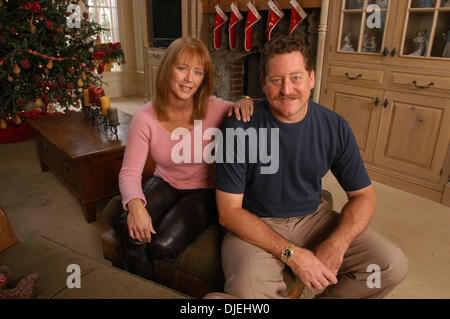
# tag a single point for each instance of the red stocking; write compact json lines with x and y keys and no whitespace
{"x":297,"y":15}
{"x":236,"y":16}
{"x":252,"y":17}
{"x":221,"y":18}
{"x":275,"y":15}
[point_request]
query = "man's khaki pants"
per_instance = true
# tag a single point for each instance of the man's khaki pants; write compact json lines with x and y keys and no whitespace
{"x":372,"y":266}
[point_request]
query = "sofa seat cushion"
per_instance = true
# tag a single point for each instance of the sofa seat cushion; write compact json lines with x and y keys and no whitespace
{"x":50,"y":261}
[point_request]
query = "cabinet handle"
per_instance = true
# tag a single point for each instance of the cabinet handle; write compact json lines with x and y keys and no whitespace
{"x":155,"y":55}
{"x":394,"y":52}
{"x":386,"y":103}
{"x":353,"y":79}
{"x":386,"y":51}
{"x":422,"y":86}
{"x":66,"y":166}
{"x":377,"y":101}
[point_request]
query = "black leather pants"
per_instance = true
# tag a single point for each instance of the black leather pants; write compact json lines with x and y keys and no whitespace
{"x":178,"y":217}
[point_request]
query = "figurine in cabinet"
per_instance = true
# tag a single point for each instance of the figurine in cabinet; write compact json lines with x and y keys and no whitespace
{"x":446,"y":37}
{"x":419,"y":43}
{"x":425,"y":3}
{"x":348,"y":46}
{"x":369,"y":44}
{"x":355,"y":4}
{"x":383,"y":4}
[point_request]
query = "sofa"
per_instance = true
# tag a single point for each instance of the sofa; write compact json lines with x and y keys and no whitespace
{"x":49,"y":260}
{"x":197,"y":270}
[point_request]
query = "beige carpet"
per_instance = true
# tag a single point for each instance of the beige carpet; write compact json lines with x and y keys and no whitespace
{"x":38,"y":203}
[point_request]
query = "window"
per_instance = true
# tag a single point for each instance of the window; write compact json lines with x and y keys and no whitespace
{"x":104,"y":12}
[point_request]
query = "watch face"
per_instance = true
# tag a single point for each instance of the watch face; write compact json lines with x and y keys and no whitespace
{"x":286,"y":253}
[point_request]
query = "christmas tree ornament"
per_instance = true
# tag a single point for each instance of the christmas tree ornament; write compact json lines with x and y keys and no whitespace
{"x":253,"y":17}
{"x":83,"y":76}
{"x":38,"y":102}
{"x":235,"y":18}
{"x":80,"y":83}
{"x":50,"y":65}
{"x":3,"y":124}
{"x":297,"y":15}
{"x":220,"y":19}
{"x":25,"y":64}
{"x":17,"y":120}
{"x":275,"y":15}
{"x":10,"y":78}
{"x":72,"y":70}
{"x":16,"y":69}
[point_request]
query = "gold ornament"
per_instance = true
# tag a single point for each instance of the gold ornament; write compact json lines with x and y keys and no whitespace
{"x":17,"y":120}
{"x":83,"y":76}
{"x":3,"y":124}
{"x":50,"y":65}
{"x":38,"y":102}
{"x":16,"y":69}
{"x":80,"y":83}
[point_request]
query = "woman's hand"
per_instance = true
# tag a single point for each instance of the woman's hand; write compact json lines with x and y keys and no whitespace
{"x":245,"y":107}
{"x":140,"y":225}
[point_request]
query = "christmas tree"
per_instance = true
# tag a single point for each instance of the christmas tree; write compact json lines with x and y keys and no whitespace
{"x":49,"y":53}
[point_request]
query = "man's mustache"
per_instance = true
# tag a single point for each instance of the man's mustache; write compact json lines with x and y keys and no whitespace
{"x":286,"y":97}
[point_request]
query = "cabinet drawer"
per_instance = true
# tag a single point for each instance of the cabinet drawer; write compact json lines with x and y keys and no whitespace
{"x":420,"y":83}
{"x":374,"y":78}
{"x":105,"y":173}
{"x":56,"y":159}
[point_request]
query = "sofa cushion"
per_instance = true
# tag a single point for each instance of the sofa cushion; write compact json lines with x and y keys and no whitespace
{"x":50,"y":261}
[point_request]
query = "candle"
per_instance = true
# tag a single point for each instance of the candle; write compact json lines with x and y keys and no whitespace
{"x":113,"y":116}
{"x":87,"y":102}
{"x":105,"y":102}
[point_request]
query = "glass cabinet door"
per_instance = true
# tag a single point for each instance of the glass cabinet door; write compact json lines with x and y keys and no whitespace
{"x":427,"y":29}
{"x":363,"y":26}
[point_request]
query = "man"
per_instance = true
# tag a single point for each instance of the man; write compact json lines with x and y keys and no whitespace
{"x":276,"y":219}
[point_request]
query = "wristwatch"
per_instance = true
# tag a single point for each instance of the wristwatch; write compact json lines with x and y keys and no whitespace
{"x":287,"y":252}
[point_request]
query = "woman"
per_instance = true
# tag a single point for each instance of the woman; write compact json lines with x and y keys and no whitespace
{"x":175,"y":205}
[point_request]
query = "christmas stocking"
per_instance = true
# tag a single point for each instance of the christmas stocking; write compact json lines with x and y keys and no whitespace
{"x":275,"y":15}
{"x":236,"y":16}
{"x":252,"y":17}
{"x":297,"y":15}
{"x":221,"y":18}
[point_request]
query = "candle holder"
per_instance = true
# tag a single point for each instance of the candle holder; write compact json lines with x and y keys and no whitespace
{"x":108,"y":122}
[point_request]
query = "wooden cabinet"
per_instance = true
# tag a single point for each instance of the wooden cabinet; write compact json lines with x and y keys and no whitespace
{"x":387,"y":72}
{"x":154,"y":56}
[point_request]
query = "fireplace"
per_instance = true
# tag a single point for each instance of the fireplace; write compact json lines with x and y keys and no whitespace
{"x":237,"y":72}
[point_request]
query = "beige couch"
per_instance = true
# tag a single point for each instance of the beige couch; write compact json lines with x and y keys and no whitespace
{"x":50,"y":261}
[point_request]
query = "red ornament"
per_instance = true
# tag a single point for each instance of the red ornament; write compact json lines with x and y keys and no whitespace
{"x":25,"y":64}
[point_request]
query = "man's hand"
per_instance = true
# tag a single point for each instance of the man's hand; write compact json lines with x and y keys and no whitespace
{"x":311,"y":271}
{"x":140,"y":225}
{"x":330,"y":254}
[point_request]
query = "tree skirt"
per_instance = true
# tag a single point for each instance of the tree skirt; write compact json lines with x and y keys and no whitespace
{"x":23,"y":132}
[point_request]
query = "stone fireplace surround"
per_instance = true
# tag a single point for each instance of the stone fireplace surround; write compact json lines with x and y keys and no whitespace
{"x":237,"y":71}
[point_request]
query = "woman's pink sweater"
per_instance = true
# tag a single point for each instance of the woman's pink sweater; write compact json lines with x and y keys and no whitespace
{"x":147,"y":136}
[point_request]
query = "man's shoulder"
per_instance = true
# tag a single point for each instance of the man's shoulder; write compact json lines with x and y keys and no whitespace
{"x":256,"y":119}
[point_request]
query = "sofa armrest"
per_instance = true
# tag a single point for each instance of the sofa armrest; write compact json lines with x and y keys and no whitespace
{"x":7,"y":236}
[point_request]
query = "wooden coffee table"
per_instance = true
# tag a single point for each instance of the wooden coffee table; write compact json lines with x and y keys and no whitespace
{"x":85,"y":157}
